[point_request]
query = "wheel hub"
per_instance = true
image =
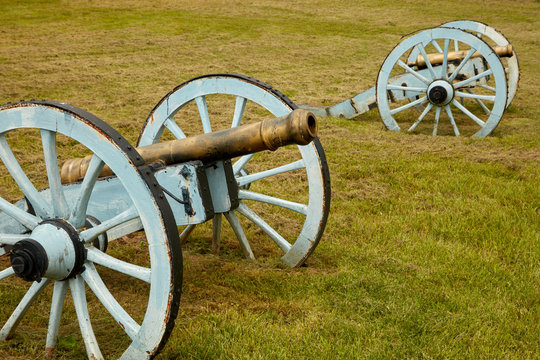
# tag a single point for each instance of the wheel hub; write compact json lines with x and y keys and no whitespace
{"x":440,"y":92}
{"x":29,"y":260}
{"x":53,"y":250}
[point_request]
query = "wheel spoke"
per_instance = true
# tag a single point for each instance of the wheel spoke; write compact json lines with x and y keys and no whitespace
{"x":216,"y":233}
{"x":456,"y":45}
{"x":93,"y":232}
{"x":125,"y":228}
{"x":413,"y":72}
{"x":27,"y":220}
{"x":203,"y":111}
{"x":452,"y":121}
{"x":409,"y":105}
{"x":478,"y":101}
{"x":185,"y":234}
{"x":426,"y":59}
{"x":436,"y":45}
{"x":248,"y":179}
{"x":138,"y":272}
{"x":487,"y":87}
{"x":473,"y":78}
{"x":11,"y":239}
{"x":40,"y":205}
{"x":78,"y":214}
{"x":421,"y":117}
{"x":444,"y":67}
{"x":240,"y":163}
{"x":59,"y":204}
{"x":468,"y":113}
{"x":21,"y":309}
{"x":237,"y":228}
{"x":257,"y":220}
{"x":57,"y":303}
{"x":461,"y":64}
{"x":407,"y":88}
{"x":95,"y":283}
{"x":249,"y":195}
{"x":174,"y":129}
{"x":437,"y":116}
{"x":6,"y":273}
{"x":239,"y":108}
{"x":81,"y":308}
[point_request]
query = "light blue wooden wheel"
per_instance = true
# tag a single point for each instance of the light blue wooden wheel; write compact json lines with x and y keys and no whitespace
{"x":479,"y":118}
{"x":309,"y":161}
{"x":495,"y":38}
{"x":55,"y":221}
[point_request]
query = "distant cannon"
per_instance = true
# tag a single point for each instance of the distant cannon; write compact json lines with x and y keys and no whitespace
{"x":470,"y":79}
{"x":464,"y":63}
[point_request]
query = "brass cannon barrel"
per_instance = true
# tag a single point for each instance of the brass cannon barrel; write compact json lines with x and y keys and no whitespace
{"x":299,"y":127}
{"x":437,"y":59}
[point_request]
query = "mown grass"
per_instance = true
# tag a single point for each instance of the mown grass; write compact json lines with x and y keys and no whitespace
{"x":432,"y":246}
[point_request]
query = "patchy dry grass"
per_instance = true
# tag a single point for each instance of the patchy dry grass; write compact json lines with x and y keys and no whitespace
{"x":432,"y":246}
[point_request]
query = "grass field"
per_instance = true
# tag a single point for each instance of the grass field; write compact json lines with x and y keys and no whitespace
{"x":432,"y":247}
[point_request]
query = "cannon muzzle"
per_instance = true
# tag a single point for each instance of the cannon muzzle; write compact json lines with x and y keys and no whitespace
{"x":299,"y":127}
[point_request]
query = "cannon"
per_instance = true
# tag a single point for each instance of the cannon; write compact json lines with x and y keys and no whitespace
{"x":471,"y":77}
{"x":72,"y":232}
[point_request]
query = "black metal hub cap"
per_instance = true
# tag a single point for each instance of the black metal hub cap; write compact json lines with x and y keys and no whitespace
{"x":29,"y":260}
